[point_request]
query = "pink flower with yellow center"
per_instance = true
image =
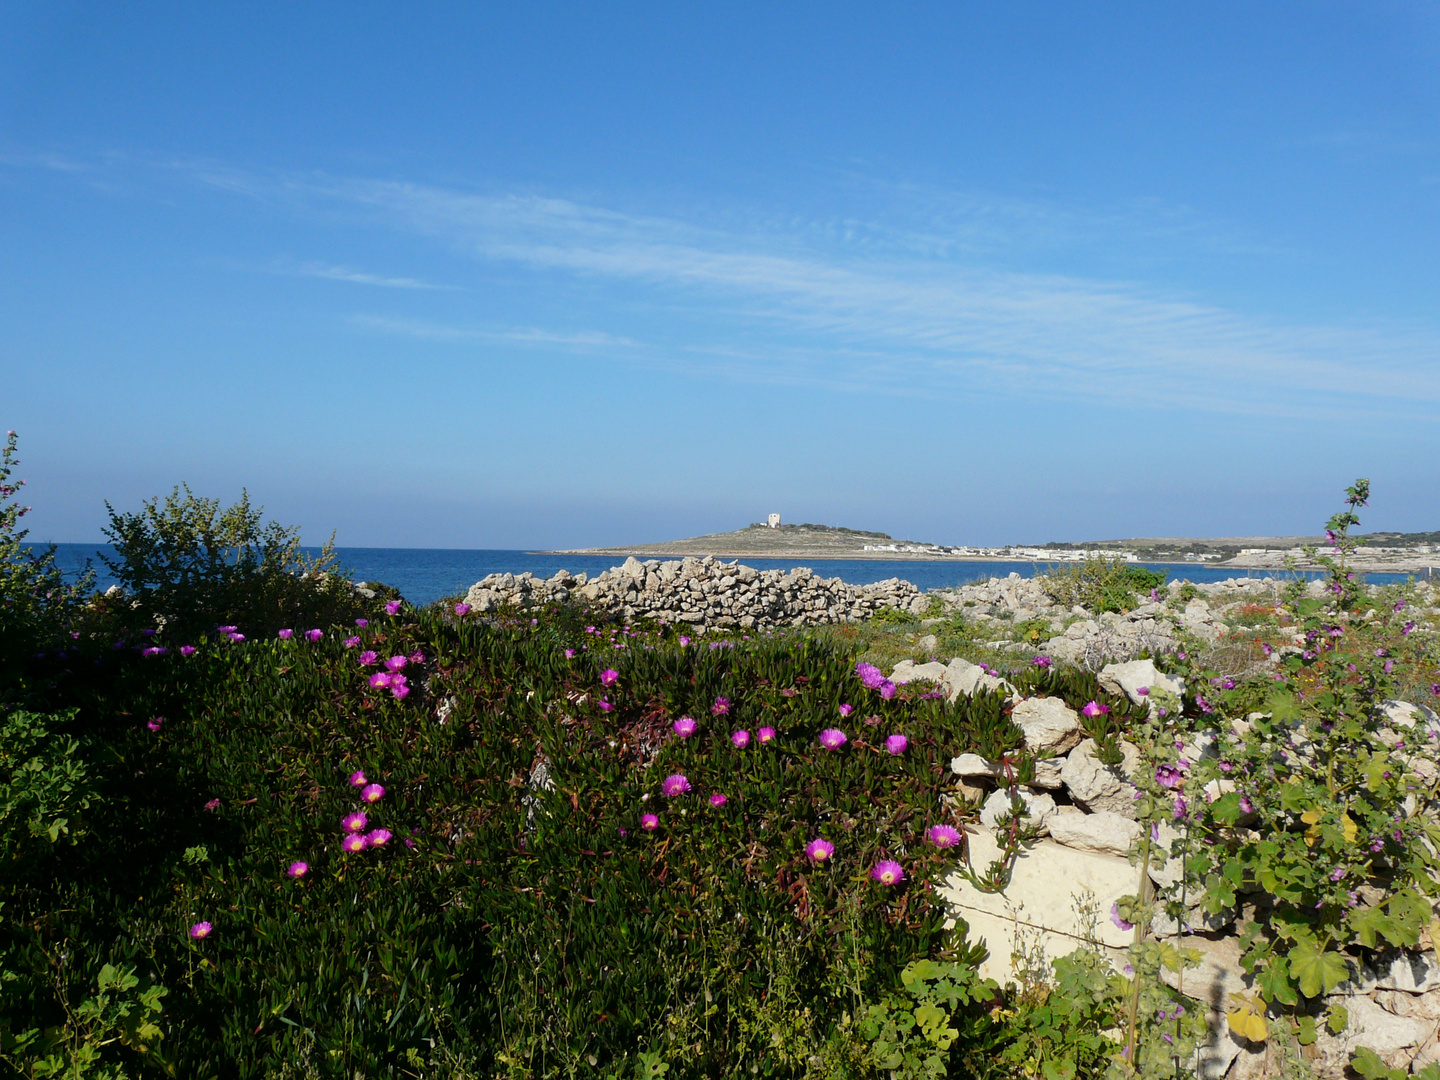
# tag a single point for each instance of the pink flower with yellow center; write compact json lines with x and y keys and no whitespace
{"x":943,"y":836}
{"x":741,"y":739}
{"x":766,"y":735}
{"x":649,"y":822}
{"x":684,"y":727}
{"x":297,"y":869}
{"x":888,"y":872}
{"x":675,"y":785}
{"x":357,"y":779}
{"x":896,"y":744}
{"x":354,"y":842}
{"x":718,"y":799}
{"x":378,"y":837}
{"x":833,"y":738}
{"x":355,"y":822}
{"x":609,"y":676}
{"x":819,"y":851}
{"x":201,"y":930}
{"x":372,"y":793}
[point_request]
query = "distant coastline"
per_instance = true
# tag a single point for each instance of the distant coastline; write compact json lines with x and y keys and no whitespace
{"x":1388,"y":553}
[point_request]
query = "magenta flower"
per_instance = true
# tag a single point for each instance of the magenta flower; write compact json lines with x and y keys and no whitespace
{"x":569,"y":654}
{"x":846,"y":710}
{"x":888,"y":872}
{"x":1042,"y":661}
{"x":372,"y":793}
{"x":609,"y":676}
{"x":684,"y":641}
{"x":355,"y":822}
{"x":227,"y":630}
{"x":154,"y":725}
{"x":684,"y":727}
{"x":351,"y":642}
{"x":605,"y":706}
{"x":378,"y":837}
{"x":649,"y":822}
{"x":1118,"y":919}
{"x":187,"y":650}
{"x":380,"y":680}
{"x":675,"y":785}
{"x":354,"y":842}
{"x":741,"y":739}
{"x":1168,"y":776}
{"x":832,"y":738}
{"x":462,"y":610}
{"x":887,"y":689}
{"x":237,"y":638}
{"x":201,"y":930}
{"x":870,"y":676}
{"x":417,"y":657}
{"x":285,"y":635}
{"x":397,"y":663}
{"x":721,"y":706}
{"x":213,"y":804}
{"x":1094,"y":709}
{"x":392,"y":607}
{"x":943,"y":836}
{"x":718,"y":799}
{"x":896,"y":744}
{"x":362,"y":623}
{"x":399,"y":691}
{"x":818,"y":851}
{"x":314,"y":635}
{"x":298,"y":869}
{"x":766,"y":735}
{"x":1181,"y":806}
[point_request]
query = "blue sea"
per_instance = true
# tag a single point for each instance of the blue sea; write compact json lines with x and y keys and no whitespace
{"x":426,"y":574}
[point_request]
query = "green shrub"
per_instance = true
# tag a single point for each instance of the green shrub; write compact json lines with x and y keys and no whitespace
{"x":45,"y":786}
{"x":187,"y":565}
{"x":36,"y":603}
{"x":895,"y":616}
{"x":1101,"y":584}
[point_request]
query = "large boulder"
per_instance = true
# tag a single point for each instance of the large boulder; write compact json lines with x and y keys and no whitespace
{"x":1038,"y":808}
{"x":1051,"y":727}
{"x":1129,"y":678}
{"x":963,"y":677}
{"x":1096,"y":786}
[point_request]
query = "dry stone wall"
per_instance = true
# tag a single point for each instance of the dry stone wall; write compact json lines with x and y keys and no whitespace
{"x":702,"y":593}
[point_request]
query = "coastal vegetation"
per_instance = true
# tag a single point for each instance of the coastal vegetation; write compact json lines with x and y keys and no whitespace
{"x":258,"y":822}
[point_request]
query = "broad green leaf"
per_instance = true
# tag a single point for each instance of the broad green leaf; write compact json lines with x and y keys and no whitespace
{"x":1317,"y":971}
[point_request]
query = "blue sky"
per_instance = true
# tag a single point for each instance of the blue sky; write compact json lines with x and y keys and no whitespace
{"x":558,"y":275}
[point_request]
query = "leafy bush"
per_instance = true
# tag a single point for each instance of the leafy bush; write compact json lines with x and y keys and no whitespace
{"x":187,"y":565}
{"x":36,"y":603}
{"x":45,"y":786}
{"x":1101,"y":584}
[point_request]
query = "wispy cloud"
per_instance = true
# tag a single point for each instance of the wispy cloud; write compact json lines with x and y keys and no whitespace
{"x":902,"y":308}
{"x":525,"y":335}
{"x":358,"y":277}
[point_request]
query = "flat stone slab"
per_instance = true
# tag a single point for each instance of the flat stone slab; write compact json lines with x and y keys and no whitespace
{"x":1050,"y":886}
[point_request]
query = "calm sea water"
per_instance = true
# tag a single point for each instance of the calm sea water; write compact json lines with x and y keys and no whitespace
{"x":426,"y":574}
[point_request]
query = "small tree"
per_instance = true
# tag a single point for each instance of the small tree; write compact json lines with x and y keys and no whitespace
{"x":35,"y":600}
{"x":188,"y":565}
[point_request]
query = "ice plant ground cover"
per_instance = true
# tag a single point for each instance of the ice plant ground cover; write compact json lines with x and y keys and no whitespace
{"x":574,"y":882}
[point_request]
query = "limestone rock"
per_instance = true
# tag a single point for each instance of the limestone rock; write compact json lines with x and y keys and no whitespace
{"x":1050,"y":726}
{"x":1038,"y":808}
{"x":1045,"y":903}
{"x":907,"y":671}
{"x":1128,"y":678}
{"x":1100,"y":787}
{"x":1104,"y":833}
{"x":963,"y":677}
